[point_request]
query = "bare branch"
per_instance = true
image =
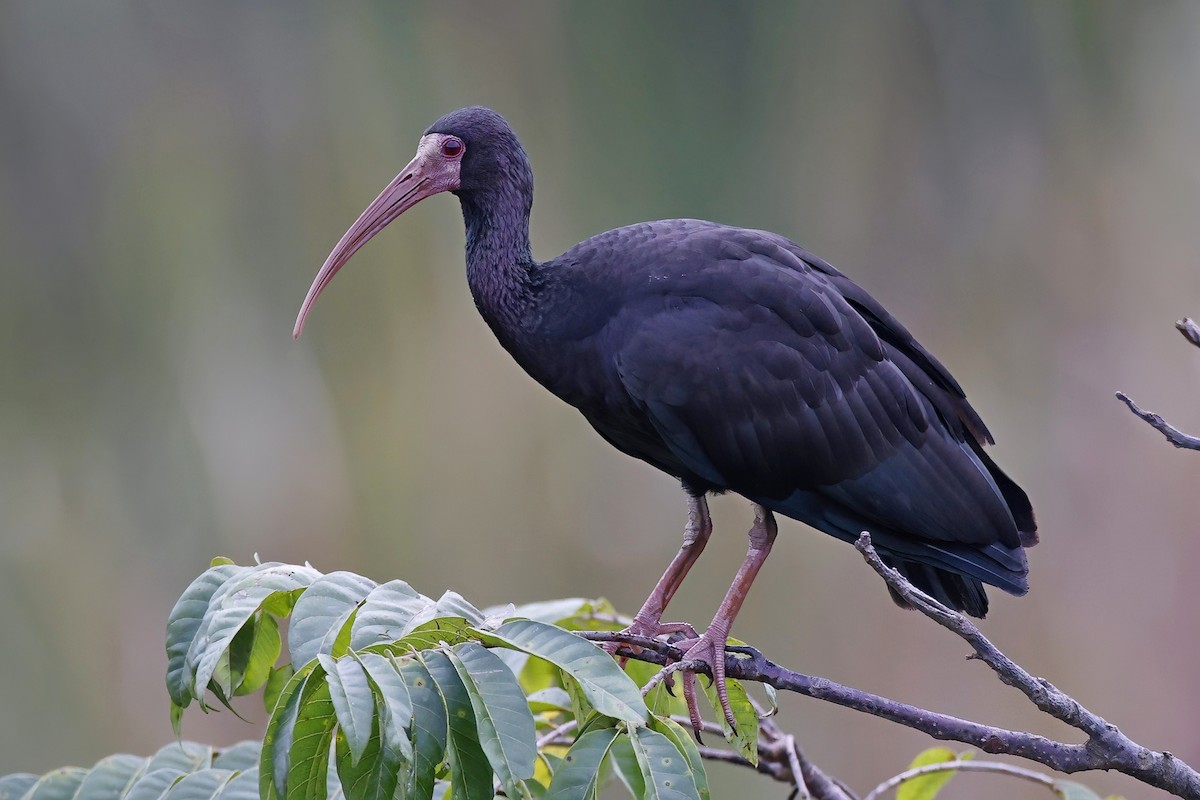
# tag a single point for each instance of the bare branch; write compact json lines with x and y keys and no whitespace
{"x":1173,"y":434}
{"x":960,"y":766}
{"x":775,"y":745}
{"x":1105,"y":747}
{"x":1191,"y":332}
{"x":765,"y":767}
{"x":780,"y":758}
{"x":561,"y":730}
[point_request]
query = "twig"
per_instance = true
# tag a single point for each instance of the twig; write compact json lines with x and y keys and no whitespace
{"x":772,"y":741}
{"x":960,"y":766}
{"x":565,"y":728}
{"x":1191,"y":332}
{"x":770,"y":768}
{"x":793,"y":758}
{"x":1173,"y":434}
{"x":1106,"y":748}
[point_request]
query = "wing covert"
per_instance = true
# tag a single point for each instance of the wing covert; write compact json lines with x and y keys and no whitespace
{"x":783,"y":386}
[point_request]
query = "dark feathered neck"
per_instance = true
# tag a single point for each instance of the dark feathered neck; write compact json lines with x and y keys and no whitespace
{"x":499,"y":258}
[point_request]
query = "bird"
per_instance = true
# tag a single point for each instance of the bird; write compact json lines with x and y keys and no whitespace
{"x":735,"y":361}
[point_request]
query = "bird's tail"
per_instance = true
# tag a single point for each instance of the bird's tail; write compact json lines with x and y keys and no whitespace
{"x":960,"y":592}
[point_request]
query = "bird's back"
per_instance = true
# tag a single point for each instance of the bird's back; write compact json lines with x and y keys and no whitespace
{"x":737,"y":361}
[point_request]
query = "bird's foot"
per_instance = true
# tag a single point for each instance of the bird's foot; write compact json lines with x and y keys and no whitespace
{"x":699,"y":652}
{"x":650,"y":629}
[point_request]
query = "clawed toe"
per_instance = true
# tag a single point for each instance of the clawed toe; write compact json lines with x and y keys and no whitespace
{"x":707,"y":651}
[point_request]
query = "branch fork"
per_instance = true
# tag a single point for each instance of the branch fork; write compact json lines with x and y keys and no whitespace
{"x":1191,"y":332}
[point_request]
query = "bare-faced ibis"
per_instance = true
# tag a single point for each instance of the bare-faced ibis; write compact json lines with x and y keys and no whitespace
{"x":736,"y":361}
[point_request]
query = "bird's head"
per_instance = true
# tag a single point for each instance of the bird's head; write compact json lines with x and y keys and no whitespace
{"x":469,"y":152}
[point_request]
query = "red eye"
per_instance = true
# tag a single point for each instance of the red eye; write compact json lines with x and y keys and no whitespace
{"x":452,"y":147}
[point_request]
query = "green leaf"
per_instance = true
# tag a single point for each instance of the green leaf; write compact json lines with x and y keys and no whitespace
{"x":281,"y":603}
{"x":534,"y":674}
{"x":60,"y":784}
{"x":606,"y":687}
{"x":385,"y":613}
{"x":926,"y":787}
{"x":202,"y":785}
{"x":625,"y":764}
{"x":184,"y":756}
{"x":552,"y":698}
{"x":153,"y":784}
{"x":183,"y":624}
{"x":578,"y":777}
{"x":177,"y":720}
{"x":275,"y":762}
{"x":658,"y":699}
{"x":241,"y":756}
{"x":374,"y":774}
{"x":745,"y":737}
{"x":321,"y":612}
{"x":592,"y":615}
{"x":333,"y":783}
{"x":232,"y":606}
{"x":275,"y":682}
{"x":232,"y":663}
{"x":393,"y":701}
{"x":665,"y":769}
{"x":252,"y":670}
{"x":581,"y":709}
{"x":14,"y":786}
{"x":429,"y":727}
{"x":1069,"y":790}
{"x":548,"y":611}
{"x":506,"y":729}
{"x":544,"y":768}
{"x":453,"y":604}
{"x":684,"y":743}
{"x":432,"y":633}
{"x":353,"y":700}
{"x":243,"y":786}
{"x":448,"y":620}
{"x":111,"y":777}
{"x":470,"y":773}
{"x":312,"y":739}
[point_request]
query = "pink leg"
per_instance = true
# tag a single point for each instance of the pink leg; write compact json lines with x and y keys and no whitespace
{"x":710,"y":648}
{"x":648,"y":621}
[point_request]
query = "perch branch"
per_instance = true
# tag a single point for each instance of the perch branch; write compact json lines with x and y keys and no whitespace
{"x":1105,"y":747}
{"x":1191,"y":332}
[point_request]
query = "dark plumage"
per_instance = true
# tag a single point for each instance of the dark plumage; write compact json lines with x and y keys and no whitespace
{"x":734,"y":360}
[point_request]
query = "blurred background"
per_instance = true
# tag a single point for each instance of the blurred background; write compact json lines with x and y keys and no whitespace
{"x":1018,"y":182}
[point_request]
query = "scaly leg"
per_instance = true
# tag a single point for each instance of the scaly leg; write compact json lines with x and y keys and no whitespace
{"x":648,"y":621}
{"x":710,"y":648}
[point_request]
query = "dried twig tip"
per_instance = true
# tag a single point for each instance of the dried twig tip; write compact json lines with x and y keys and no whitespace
{"x":1190,"y":330}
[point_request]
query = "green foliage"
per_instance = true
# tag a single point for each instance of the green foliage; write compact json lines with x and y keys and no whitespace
{"x":179,"y":771}
{"x":392,"y":694}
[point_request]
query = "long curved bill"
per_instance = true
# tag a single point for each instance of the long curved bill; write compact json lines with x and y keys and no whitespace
{"x":422,"y":178}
